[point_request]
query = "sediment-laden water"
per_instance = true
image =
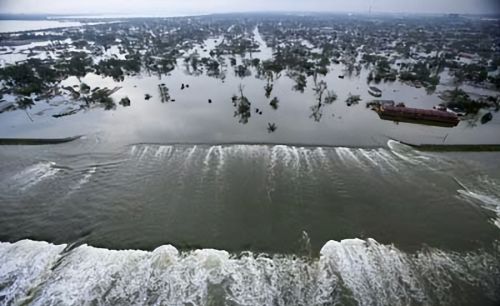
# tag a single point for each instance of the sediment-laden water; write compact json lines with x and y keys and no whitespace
{"x":177,"y":224}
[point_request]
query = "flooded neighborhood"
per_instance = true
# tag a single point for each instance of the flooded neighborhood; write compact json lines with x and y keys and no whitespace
{"x":250,"y":159}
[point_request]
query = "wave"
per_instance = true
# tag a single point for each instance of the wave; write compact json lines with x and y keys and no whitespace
{"x":85,"y":178}
{"x":394,"y":158}
{"x":485,"y":192}
{"x":35,"y":174}
{"x":351,"y":271}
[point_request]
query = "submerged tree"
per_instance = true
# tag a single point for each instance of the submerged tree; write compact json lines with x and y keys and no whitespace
{"x":242,"y":105}
{"x":164,"y":93}
{"x":352,"y":100}
{"x":268,"y":88}
{"x":300,"y":80}
{"x":25,"y":103}
{"x":319,"y":90}
{"x":331,"y":97}
{"x":125,"y":101}
{"x":274,"y":103}
{"x":271,"y":127}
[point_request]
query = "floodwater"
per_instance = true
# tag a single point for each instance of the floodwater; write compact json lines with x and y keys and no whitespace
{"x":191,"y":119}
{"x":7,"y":26}
{"x":248,"y":224}
{"x":178,"y":203}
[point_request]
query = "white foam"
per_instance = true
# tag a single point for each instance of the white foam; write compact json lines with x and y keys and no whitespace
{"x":486,"y":192}
{"x":133,"y":150}
{"x":163,"y":151}
{"x":376,"y":274}
{"x":385,"y":157}
{"x":191,"y":154}
{"x":24,"y":265}
{"x":341,"y":155}
{"x":368,"y":156}
{"x":490,"y":201}
{"x":144,"y":152}
{"x":347,"y":154}
{"x":406,"y":153}
{"x":295,"y":153}
{"x":487,"y":201}
{"x":306,"y":154}
{"x":275,"y":156}
{"x":364,"y":271}
{"x":280,"y":152}
{"x":86,"y":178}
{"x":206,"y":161}
{"x":320,"y":153}
{"x":34,"y":174}
{"x":221,"y":159}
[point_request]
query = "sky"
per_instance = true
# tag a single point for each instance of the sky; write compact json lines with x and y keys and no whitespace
{"x":194,"y":7}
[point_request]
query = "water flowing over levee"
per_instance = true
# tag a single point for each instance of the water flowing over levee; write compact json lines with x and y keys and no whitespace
{"x":235,"y":198}
{"x":352,"y":271}
{"x":294,"y":158}
{"x":213,"y":162}
{"x":484,"y":191}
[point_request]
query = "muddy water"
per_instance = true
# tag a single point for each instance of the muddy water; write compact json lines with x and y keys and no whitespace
{"x":248,"y":224}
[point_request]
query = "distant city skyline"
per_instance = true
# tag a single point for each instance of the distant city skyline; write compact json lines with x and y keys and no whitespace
{"x":194,"y":7}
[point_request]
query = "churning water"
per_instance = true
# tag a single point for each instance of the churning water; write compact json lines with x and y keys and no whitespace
{"x":351,"y":271}
{"x":232,"y":224}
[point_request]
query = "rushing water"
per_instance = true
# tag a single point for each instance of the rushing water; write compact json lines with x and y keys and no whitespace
{"x":352,"y":271}
{"x":251,"y":225}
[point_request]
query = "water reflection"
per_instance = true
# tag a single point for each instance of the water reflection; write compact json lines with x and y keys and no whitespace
{"x":282,"y":84}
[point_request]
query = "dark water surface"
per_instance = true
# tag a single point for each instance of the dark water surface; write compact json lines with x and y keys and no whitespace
{"x":383,"y":225}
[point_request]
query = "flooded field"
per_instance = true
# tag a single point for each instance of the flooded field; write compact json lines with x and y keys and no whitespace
{"x":7,"y":26}
{"x":189,"y":117}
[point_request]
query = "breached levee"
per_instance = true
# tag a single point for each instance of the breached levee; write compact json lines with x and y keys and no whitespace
{"x":307,"y":158}
{"x":351,"y":271}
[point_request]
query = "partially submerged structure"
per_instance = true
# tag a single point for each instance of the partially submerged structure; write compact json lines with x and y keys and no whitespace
{"x":418,"y":116}
{"x":374,"y":91}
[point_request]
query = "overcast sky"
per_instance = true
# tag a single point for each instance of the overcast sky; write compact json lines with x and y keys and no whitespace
{"x":187,"y":7}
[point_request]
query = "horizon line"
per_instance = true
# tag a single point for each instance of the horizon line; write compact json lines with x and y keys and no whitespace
{"x":178,"y":15}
